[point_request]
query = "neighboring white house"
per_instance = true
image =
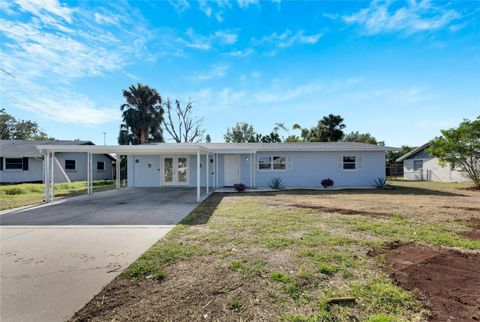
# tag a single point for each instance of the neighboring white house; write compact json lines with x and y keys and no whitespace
{"x":418,"y":164}
{"x":21,"y":161}
{"x":215,"y":165}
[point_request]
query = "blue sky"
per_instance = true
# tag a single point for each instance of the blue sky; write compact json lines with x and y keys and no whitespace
{"x":399,"y":70}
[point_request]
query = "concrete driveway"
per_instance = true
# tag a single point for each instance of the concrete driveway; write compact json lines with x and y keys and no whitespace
{"x":56,"y":257}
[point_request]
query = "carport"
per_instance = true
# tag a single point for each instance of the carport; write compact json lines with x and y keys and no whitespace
{"x":57,"y":256}
{"x":159,"y":150}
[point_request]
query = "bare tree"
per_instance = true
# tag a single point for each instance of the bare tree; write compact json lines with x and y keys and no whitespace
{"x":181,"y":124}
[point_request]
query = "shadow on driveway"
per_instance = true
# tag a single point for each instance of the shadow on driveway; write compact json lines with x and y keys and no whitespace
{"x":128,"y":206}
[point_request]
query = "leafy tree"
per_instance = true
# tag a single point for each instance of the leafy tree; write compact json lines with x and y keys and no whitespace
{"x":11,"y":128}
{"x":142,"y":115}
{"x":208,"y":139}
{"x":460,"y":148}
{"x":273,"y":137}
{"x":181,"y":125}
{"x":362,"y":138}
{"x":392,"y":156}
{"x":241,"y":133}
{"x":328,"y":129}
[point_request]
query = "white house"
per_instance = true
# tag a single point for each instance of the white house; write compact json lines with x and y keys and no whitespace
{"x":21,"y":161}
{"x":418,"y":164}
{"x":215,"y":165}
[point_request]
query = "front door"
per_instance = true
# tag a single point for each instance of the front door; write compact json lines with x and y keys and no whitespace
{"x":231,"y":170}
{"x":175,"y":170}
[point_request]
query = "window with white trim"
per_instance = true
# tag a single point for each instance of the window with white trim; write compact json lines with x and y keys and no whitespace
{"x":264,"y":163}
{"x":417,"y":165}
{"x":274,"y":163}
{"x":100,"y":166}
{"x":70,"y":164}
{"x":349,"y":162}
{"x":13,"y":163}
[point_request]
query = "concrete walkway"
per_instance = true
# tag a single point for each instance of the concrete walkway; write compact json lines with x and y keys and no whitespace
{"x":55,"y":258}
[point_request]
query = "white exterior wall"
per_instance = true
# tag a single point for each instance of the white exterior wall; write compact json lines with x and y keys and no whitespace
{"x":432,"y":171}
{"x":35,"y":169}
{"x":307,"y":169}
{"x":33,"y":174}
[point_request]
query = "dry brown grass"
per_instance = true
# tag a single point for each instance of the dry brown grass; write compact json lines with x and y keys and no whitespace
{"x":280,"y":256}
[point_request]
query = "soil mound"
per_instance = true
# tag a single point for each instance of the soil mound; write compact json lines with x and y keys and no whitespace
{"x":447,"y":281}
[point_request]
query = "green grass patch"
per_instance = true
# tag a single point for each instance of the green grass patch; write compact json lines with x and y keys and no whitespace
{"x":26,"y":194}
{"x":153,"y":262}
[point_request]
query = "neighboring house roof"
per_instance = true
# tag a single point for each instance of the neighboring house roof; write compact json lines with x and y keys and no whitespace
{"x":413,"y":152}
{"x":223,"y":148}
{"x":28,"y":148}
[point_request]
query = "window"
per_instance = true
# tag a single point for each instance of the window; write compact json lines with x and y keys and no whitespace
{"x":13,"y":164}
{"x":264,"y":163}
{"x":276,"y":163}
{"x":349,"y":162}
{"x":417,"y":165}
{"x":279,"y":163}
{"x":100,"y":166}
{"x":70,"y":165}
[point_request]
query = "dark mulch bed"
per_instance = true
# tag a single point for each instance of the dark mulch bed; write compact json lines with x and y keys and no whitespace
{"x":447,"y":281}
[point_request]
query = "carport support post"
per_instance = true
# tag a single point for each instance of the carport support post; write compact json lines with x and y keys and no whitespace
{"x":251,"y":170}
{"x":46,"y":176}
{"x":117,"y":171}
{"x":207,"y":167}
{"x":91,"y":173}
{"x":198,"y":175}
{"x":52,"y":176}
{"x":216,"y":170}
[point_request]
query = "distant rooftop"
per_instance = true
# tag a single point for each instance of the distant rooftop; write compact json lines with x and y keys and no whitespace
{"x":27,"y":148}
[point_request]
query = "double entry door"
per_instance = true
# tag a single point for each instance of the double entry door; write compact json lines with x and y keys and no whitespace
{"x":175,"y":170}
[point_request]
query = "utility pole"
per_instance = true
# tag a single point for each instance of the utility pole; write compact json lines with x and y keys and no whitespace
{"x":104,"y":138}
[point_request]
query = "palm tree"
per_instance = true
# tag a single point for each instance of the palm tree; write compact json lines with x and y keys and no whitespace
{"x":143,"y":113}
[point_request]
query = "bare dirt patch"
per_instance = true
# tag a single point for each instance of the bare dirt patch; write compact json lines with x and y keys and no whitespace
{"x":473,"y":234}
{"x":342,"y":211}
{"x":463,"y":208}
{"x":447,"y":281}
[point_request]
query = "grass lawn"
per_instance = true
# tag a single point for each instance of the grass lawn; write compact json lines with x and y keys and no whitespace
{"x":283,"y":256}
{"x":12,"y":196}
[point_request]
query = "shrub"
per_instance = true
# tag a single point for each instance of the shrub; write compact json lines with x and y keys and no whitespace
{"x":276,"y":183}
{"x":380,"y":183}
{"x":240,"y":187}
{"x":327,"y":183}
{"x":14,"y":191}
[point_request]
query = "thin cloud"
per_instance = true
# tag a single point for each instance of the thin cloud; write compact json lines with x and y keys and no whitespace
{"x":415,"y":17}
{"x":45,"y":55}
{"x":217,"y":71}
{"x":191,"y":39}
{"x":179,"y":5}
{"x":288,"y":39}
{"x":214,"y":9}
{"x":242,"y":53}
{"x":247,"y":3}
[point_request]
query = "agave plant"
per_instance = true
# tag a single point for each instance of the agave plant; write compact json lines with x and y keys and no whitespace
{"x":380,"y":183}
{"x":276,"y":183}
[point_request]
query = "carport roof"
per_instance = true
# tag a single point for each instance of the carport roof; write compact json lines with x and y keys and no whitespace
{"x":164,"y":148}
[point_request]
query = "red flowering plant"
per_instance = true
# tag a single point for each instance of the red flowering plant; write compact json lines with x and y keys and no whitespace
{"x":240,"y":187}
{"x":327,"y":183}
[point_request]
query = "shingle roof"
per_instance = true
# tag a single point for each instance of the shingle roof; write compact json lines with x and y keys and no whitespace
{"x":413,"y":152}
{"x":300,"y":146}
{"x":27,"y":148}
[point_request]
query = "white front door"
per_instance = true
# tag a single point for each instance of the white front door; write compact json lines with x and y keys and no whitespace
{"x":175,"y":170}
{"x":231,"y":170}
